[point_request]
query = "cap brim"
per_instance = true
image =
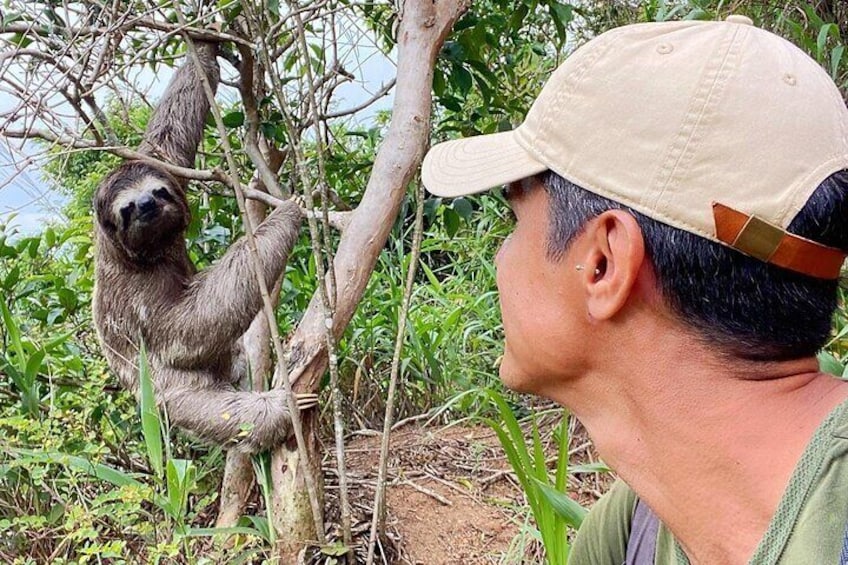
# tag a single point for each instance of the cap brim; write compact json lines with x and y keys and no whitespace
{"x":474,"y":164}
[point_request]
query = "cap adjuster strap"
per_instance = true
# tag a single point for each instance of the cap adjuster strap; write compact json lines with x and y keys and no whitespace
{"x":764,"y":241}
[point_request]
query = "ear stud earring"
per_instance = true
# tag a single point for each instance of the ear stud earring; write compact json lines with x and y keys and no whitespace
{"x":581,"y":268}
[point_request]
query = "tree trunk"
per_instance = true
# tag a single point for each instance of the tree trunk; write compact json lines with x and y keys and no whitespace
{"x":422,"y":30}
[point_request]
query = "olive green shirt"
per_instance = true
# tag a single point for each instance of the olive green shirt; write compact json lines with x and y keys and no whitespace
{"x":807,"y":528}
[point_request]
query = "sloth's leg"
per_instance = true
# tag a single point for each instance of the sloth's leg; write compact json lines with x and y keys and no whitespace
{"x":243,"y":420}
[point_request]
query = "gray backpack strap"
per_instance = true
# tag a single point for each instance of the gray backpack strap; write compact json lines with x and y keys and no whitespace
{"x":644,"y":529}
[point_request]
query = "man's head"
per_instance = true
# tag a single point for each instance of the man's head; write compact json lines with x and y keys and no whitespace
{"x":709,"y":152}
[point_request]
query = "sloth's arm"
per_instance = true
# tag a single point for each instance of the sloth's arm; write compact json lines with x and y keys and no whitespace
{"x":244,"y":420}
{"x":176,"y":127}
{"x":222,"y":300}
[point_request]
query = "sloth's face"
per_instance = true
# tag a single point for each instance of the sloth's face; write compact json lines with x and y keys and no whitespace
{"x":142,"y":210}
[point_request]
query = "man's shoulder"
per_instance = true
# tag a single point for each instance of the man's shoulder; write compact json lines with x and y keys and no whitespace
{"x":602,"y":538}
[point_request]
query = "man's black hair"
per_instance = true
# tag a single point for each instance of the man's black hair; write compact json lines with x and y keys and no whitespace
{"x":741,"y":305}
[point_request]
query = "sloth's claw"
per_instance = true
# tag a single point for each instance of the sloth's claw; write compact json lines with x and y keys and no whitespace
{"x":306,"y":400}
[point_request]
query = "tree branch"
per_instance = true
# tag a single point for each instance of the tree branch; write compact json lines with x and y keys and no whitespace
{"x":195,"y":33}
{"x":121,"y":151}
{"x":384,"y":90}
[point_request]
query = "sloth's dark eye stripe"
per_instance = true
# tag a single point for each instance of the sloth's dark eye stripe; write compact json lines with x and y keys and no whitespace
{"x":163,"y":194}
{"x":126,"y":213}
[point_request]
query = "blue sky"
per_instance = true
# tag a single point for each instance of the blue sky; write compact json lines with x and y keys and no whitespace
{"x":26,"y":196}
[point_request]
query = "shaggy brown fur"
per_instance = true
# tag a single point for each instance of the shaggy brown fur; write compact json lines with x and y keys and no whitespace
{"x":148,"y":290}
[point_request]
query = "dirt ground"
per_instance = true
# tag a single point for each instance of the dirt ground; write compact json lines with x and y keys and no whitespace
{"x":452,"y":497}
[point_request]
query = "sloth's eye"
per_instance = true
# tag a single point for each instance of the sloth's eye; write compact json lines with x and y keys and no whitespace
{"x":163,"y":193}
{"x":126,"y":213}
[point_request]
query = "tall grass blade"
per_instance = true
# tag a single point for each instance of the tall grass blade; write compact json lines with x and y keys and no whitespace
{"x":103,"y":472}
{"x":562,"y":454}
{"x":262,"y":470}
{"x":179,"y":474}
{"x":151,"y":424}
{"x":14,"y":331}
{"x":552,"y":509}
{"x":562,"y":504}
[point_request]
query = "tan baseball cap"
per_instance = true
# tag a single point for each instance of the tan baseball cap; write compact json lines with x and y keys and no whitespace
{"x":718,"y":128}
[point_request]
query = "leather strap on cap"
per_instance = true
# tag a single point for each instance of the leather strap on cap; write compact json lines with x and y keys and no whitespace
{"x":767,"y":242}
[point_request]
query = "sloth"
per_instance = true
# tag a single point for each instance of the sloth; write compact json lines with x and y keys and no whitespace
{"x":147,"y":291}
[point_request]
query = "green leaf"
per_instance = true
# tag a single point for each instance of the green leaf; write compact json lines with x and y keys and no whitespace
{"x":596,"y":467}
{"x":562,"y":504}
{"x":461,"y":79}
{"x":512,"y":455}
{"x":13,"y":277}
{"x":260,"y":524}
{"x":451,"y":103}
{"x":517,"y":19}
{"x":562,"y":454}
{"x":233,"y":119}
{"x":453,"y":51}
{"x":830,"y":364}
{"x":151,"y":425}
{"x":262,"y":470}
{"x":821,"y":41}
{"x":514,"y":430}
{"x":56,"y":341}
{"x":438,"y":82}
{"x":335,"y":550}
{"x":97,"y":470}
{"x":269,"y":130}
{"x":180,"y":479}
{"x":835,"y":59}
{"x":463,"y":208}
{"x":34,"y":365}
{"x":33,"y":247}
{"x":561,"y":14}
{"x":13,"y":330}
{"x":67,"y":298}
{"x":451,"y":220}
{"x":21,"y":40}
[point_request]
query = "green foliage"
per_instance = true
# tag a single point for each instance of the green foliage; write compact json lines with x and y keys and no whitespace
{"x":553,"y":510}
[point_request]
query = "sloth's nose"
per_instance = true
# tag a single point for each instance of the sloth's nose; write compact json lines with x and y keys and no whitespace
{"x":146,"y":206}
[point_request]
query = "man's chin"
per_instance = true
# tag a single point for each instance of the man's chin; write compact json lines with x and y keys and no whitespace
{"x":513,"y":377}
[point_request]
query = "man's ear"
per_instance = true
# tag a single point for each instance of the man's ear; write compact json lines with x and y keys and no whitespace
{"x":613,"y":254}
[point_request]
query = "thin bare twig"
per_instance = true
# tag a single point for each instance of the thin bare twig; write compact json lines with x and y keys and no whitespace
{"x":384,"y":90}
{"x":328,"y":291}
{"x":378,"y":520}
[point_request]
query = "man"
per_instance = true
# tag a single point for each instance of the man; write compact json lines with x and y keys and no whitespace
{"x":681,"y":225}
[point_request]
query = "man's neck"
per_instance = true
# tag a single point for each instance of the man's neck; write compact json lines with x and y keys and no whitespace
{"x":708,"y":445}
